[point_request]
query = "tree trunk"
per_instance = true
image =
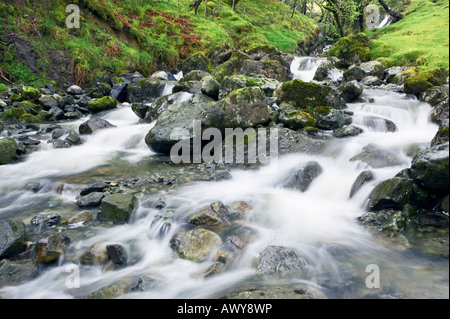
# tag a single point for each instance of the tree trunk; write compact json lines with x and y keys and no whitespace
{"x":304,"y":7}
{"x":337,"y":19}
{"x":206,"y":8}
{"x":395,"y":15}
{"x":294,"y":7}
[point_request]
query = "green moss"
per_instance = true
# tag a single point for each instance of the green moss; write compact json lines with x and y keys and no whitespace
{"x":13,"y":113}
{"x":103,"y":104}
{"x":352,"y":48}
{"x":28,"y":118}
{"x":424,"y":80}
{"x":301,"y":94}
{"x":15,"y":97}
{"x":3,"y":88}
{"x":30,"y":94}
{"x":322,"y":110}
{"x":266,"y":48}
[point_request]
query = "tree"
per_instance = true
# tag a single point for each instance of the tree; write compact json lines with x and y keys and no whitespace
{"x":195,"y":5}
{"x":395,"y":15}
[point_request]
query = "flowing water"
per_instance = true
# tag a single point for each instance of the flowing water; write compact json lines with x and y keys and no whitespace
{"x":319,"y":223}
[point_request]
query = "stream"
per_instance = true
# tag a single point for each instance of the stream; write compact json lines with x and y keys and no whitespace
{"x":319,"y":223}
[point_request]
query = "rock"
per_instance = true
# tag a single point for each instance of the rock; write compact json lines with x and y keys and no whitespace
{"x":210,"y":87}
{"x":46,"y":220}
{"x":295,"y":119}
{"x":371,"y":81}
{"x":60,"y":144}
{"x":16,"y":272}
{"x":301,"y":178}
{"x":373,"y":68}
{"x":360,"y":181}
{"x":197,"y":61}
{"x":334,"y":120}
{"x":280,"y":262}
{"x":92,"y":200}
{"x":119,"y":92}
{"x":323,"y":70}
{"x":48,"y":102}
{"x":75,"y":90}
{"x":163,"y":103}
{"x":12,"y":237}
{"x":299,"y":291}
{"x":445,"y":204}
{"x":94,"y":124}
{"x":29,"y":93}
{"x":66,"y":100}
{"x":8,"y":150}
{"x":377,"y":157}
{"x":110,"y":292}
{"x":161,"y":75}
{"x":145,"y":91}
{"x":430,"y":168}
{"x":213,"y":216}
{"x":141,"y":109}
{"x":49,"y":249}
{"x":103,"y":104}
{"x":177,"y":118}
{"x":195,"y":245}
{"x":117,"y":208}
{"x":435,"y":95}
{"x":144,"y":283}
{"x":379,"y":124}
{"x":347,"y":131}
{"x":440,"y":112}
{"x":56,"y":113}
{"x":391,"y":74}
{"x":118,"y":254}
{"x":99,"y":90}
{"x":351,"y":91}
{"x":81,"y":217}
{"x":221,"y":176}
{"x":232,"y":83}
{"x":96,"y":255}
{"x":96,"y":187}
{"x":442,"y":136}
{"x":304,"y":95}
{"x":73,"y":138}
{"x":354,"y":73}
{"x":239,"y":209}
{"x":421,"y":82}
{"x":194,"y":76}
{"x":58,"y":133}
{"x":242,"y":108}
{"x":351,"y":49}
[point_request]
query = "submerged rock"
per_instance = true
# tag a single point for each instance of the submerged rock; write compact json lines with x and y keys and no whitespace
{"x":301,"y":178}
{"x":377,"y":157}
{"x":117,"y":208}
{"x":280,"y":262}
{"x":299,"y":291}
{"x":360,"y":181}
{"x":195,"y":245}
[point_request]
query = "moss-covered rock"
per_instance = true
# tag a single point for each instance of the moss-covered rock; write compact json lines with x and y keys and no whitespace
{"x":12,"y":237}
{"x":296,"y":120}
{"x":195,"y":75}
{"x":234,"y":82}
{"x":351,"y":91}
{"x":30,"y":93}
{"x":8,"y":150}
{"x":308,"y":95}
{"x":96,"y":255}
{"x":103,"y":104}
{"x":231,"y":67}
{"x":146,"y":90}
{"x":117,"y":208}
{"x":352,"y":49}
{"x":195,"y":245}
{"x":424,"y":80}
{"x":49,"y":249}
{"x":197,"y":61}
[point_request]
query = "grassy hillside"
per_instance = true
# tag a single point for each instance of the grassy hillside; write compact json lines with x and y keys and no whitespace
{"x":145,"y":35}
{"x":421,"y":38}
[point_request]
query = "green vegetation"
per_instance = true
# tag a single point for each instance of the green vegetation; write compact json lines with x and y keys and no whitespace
{"x":421,"y":38}
{"x":141,"y":35}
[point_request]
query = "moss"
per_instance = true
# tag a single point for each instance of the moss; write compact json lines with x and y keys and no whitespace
{"x":15,"y":97}
{"x":30,"y":94}
{"x":302,"y":94}
{"x":424,"y":80}
{"x":103,"y":104}
{"x":198,"y":61}
{"x":322,"y":110}
{"x":13,"y":113}
{"x":352,"y":48}
{"x":266,"y":48}
{"x":311,"y":130}
{"x":28,"y":118}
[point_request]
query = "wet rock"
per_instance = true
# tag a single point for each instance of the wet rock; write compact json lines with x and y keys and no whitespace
{"x":377,"y":157}
{"x":373,"y":68}
{"x":141,"y":109}
{"x":334,"y":120}
{"x":81,"y":217}
{"x":235,"y":82}
{"x":221,"y":176}
{"x":323,"y":70}
{"x":58,"y":133}
{"x":48,"y":250}
{"x":8,"y":150}
{"x":351,"y":91}
{"x":119,"y":92}
{"x":197,"y":61}
{"x":299,"y":291}
{"x":424,"y":80}
{"x":60,"y":144}
{"x":48,"y":102}
{"x":347,"y":131}
{"x":16,"y":272}
{"x":117,"y":208}
{"x":360,"y":181}
{"x":430,"y":168}
{"x":210,"y":87}
{"x":33,"y":187}
{"x":354,"y":74}
{"x":94,"y":124}
{"x":96,"y":187}
{"x":351,"y":49}
{"x":440,"y":112}
{"x":144,"y":283}
{"x":93,"y":199}
{"x":371,"y":81}
{"x":239,"y":209}
{"x":215,"y":269}
{"x":12,"y":237}
{"x":118,"y":254}
{"x":75,"y":90}
{"x":96,"y":255}
{"x":214,"y":216}
{"x":301,"y":178}
{"x":379,"y":124}
{"x":234,"y":242}
{"x":146,"y":91}
{"x":110,"y":292}
{"x":163,"y":103}
{"x":295,"y":119}
{"x":73,"y":138}
{"x":195,"y":245}
{"x":46,"y":220}
{"x":279,"y":262}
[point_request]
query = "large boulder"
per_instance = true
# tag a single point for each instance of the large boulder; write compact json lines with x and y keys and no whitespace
{"x":295,"y":119}
{"x":351,"y":50}
{"x":8,"y":150}
{"x":117,"y":208}
{"x":210,"y":87}
{"x":197,"y":61}
{"x":351,"y":91}
{"x":105,"y":103}
{"x":242,"y":108}
{"x":146,"y":90}
{"x":12,"y":237}
{"x":175,"y":122}
{"x":424,"y":80}
{"x":324,"y":70}
{"x":195,"y":245}
{"x":430,"y":168}
{"x":15,"y":272}
{"x":153,"y":111}
{"x":94,"y":124}
{"x":306,"y":95}
{"x":301,"y":178}
{"x":280,"y":262}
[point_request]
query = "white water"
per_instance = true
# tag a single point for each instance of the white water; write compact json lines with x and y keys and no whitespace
{"x":309,"y":222}
{"x":386,"y":21}
{"x":304,"y":68}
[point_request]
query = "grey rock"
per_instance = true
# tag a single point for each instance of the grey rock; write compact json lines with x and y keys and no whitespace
{"x":195,"y":245}
{"x":8,"y":150}
{"x":118,"y":254}
{"x":362,"y":179}
{"x":117,"y":208}
{"x":351,"y":91}
{"x":377,"y":157}
{"x":12,"y":237}
{"x":81,"y":217}
{"x":58,"y":133}
{"x":46,"y":220}
{"x":379,"y":124}
{"x":210,"y":87}
{"x":371,"y":81}
{"x":92,"y":200}
{"x":75,"y":90}
{"x":347,"y":131}
{"x":16,"y":272}
{"x":354,"y":73}
{"x":119,"y":92}
{"x":96,"y":187}
{"x":94,"y":124}
{"x":73,"y":138}
{"x":334,"y":120}
{"x":60,"y":144}
{"x":301,"y":178}
{"x":280,"y":262}
{"x":49,"y":249}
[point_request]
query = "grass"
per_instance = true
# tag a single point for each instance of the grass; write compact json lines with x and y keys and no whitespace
{"x":121,"y":36}
{"x":421,"y":38}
